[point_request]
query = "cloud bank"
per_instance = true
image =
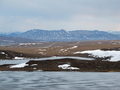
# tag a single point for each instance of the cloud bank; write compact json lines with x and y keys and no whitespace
{"x":22,"y":15}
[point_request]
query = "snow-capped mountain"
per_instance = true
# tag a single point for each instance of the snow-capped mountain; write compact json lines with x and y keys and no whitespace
{"x":10,"y":34}
{"x":114,"y":32}
{"x":58,"y":35}
{"x":62,"y":35}
{"x":53,"y":35}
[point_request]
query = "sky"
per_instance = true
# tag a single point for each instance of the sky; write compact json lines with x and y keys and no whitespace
{"x":23,"y":15}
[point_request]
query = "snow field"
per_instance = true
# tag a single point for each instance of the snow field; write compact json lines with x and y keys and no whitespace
{"x":115,"y":55}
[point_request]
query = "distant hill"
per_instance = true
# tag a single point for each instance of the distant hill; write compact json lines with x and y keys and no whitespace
{"x":10,"y":34}
{"x":62,"y":35}
{"x":56,"y":35}
{"x":4,"y":40}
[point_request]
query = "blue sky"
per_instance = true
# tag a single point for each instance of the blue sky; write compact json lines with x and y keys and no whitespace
{"x":23,"y":15}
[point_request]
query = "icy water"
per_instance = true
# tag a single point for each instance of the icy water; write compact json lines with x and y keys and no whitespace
{"x":59,"y":80}
{"x":49,"y":58}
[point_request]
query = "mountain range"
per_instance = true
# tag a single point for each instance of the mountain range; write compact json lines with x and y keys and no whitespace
{"x":62,"y":35}
{"x":59,"y":35}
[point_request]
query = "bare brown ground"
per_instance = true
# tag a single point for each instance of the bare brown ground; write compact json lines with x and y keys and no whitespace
{"x":62,"y":48}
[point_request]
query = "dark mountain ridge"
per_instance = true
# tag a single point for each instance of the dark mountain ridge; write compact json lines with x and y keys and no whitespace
{"x":60,"y":35}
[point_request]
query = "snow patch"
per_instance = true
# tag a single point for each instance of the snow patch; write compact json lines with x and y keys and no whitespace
{"x":42,"y":49}
{"x":19,"y":58}
{"x":34,"y":68}
{"x":115,"y":55}
{"x":19,"y":65}
{"x":73,"y":47}
{"x":67,"y":66}
{"x":42,"y":53}
{"x":61,"y":49}
{"x":2,"y":52}
{"x":64,"y":50}
{"x":34,"y":65}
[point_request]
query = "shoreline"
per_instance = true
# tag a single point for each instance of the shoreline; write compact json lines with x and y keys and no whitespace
{"x":64,"y":65}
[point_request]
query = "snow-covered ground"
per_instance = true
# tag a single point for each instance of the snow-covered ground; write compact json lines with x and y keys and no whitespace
{"x":115,"y":55}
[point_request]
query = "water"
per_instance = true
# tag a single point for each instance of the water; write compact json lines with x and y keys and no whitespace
{"x":14,"y":80}
{"x":49,"y":58}
{"x":59,"y":80}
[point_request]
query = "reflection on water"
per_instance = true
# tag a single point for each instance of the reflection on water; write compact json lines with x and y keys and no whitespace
{"x":59,"y":80}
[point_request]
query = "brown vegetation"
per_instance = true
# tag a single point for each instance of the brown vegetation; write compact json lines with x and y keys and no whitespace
{"x":54,"y":48}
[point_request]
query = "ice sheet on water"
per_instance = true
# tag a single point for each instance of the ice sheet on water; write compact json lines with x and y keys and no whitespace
{"x":19,"y":65}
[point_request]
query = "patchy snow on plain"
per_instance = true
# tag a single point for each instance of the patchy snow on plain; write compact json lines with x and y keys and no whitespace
{"x":67,"y":66}
{"x":61,"y":49}
{"x":115,"y":55}
{"x":73,"y":47}
{"x":64,"y":50}
{"x":19,"y":65}
{"x":42,"y":49}
{"x":42,"y":53}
